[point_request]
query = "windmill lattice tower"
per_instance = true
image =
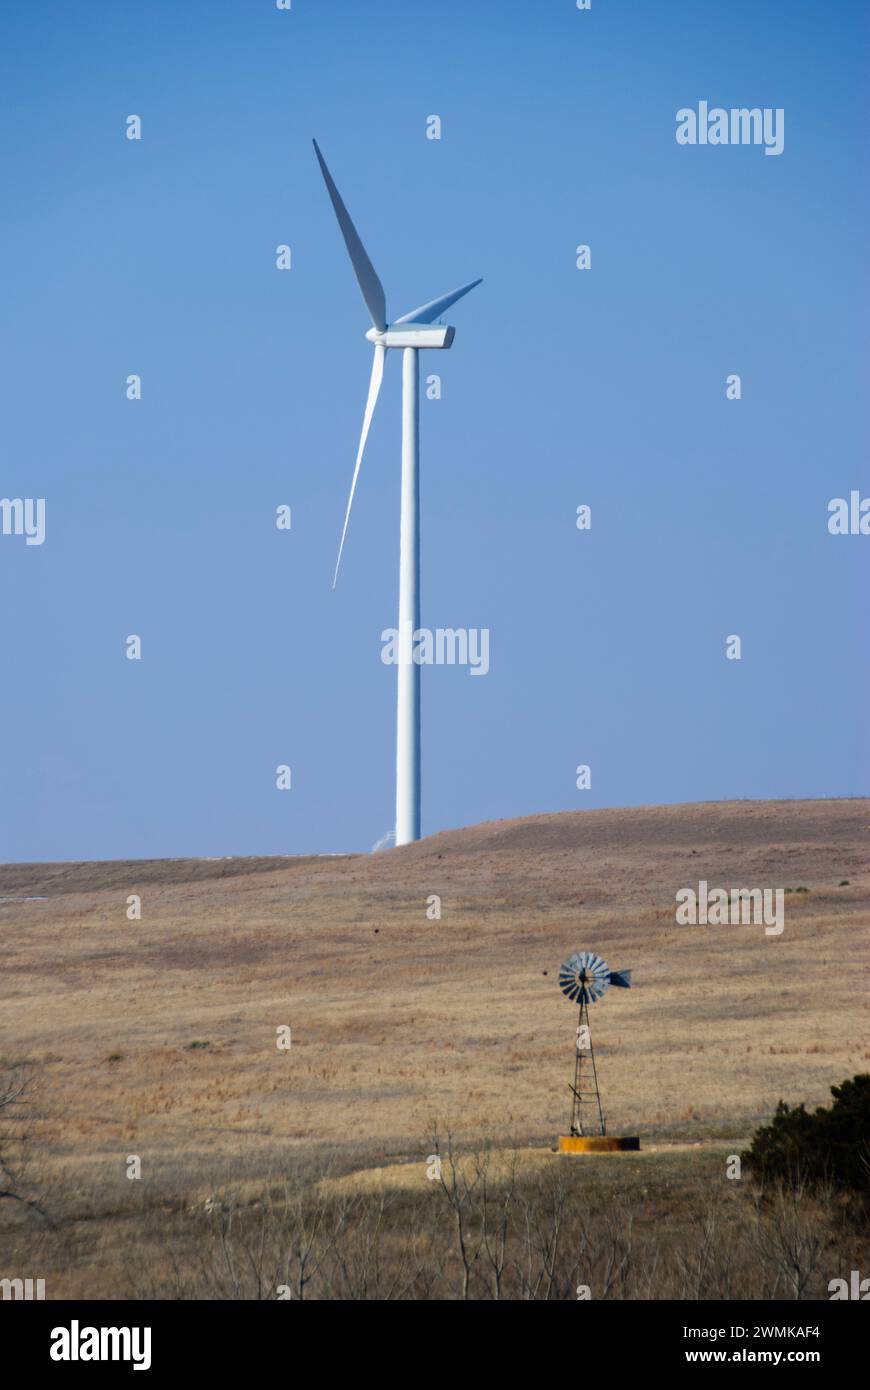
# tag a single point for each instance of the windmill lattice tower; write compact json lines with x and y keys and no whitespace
{"x":584,"y":978}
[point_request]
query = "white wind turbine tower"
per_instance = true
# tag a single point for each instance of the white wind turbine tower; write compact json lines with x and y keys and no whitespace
{"x":411,"y":332}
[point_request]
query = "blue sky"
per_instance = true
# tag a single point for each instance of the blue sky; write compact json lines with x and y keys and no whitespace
{"x":563,"y":387}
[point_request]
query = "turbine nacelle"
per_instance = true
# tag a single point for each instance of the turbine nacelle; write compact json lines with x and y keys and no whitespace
{"x":412,"y":335}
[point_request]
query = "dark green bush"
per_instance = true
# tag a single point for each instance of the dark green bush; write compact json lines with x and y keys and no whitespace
{"x":828,"y":1147}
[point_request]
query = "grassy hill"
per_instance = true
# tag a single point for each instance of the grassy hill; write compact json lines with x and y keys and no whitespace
{"x":157,"y":1037}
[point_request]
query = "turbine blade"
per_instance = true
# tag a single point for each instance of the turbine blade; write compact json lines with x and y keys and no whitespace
{"x":372,"y":289}
{"x":375,"y":380}
{"x":427,"y":313}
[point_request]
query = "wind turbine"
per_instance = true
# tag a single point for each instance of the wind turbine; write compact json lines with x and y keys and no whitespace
{"x":412,"y":332}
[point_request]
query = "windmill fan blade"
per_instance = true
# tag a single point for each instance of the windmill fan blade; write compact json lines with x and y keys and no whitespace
{"x":372,"y":289}
{"x":375,"y":380}
{"x":427,"y":313}
{"x":621,"y":978}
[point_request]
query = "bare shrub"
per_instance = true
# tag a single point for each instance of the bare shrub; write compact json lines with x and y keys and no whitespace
{"x":789,"y":1233}
{"x":15,"y":1133}
{"x":490,"y":1228}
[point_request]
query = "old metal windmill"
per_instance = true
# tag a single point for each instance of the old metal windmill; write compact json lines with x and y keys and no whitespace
{"x":584,"y":978}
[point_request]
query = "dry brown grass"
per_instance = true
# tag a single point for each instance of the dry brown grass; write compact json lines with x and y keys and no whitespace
{"x":398,"y":1020}
{"x":515,"y":1224}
